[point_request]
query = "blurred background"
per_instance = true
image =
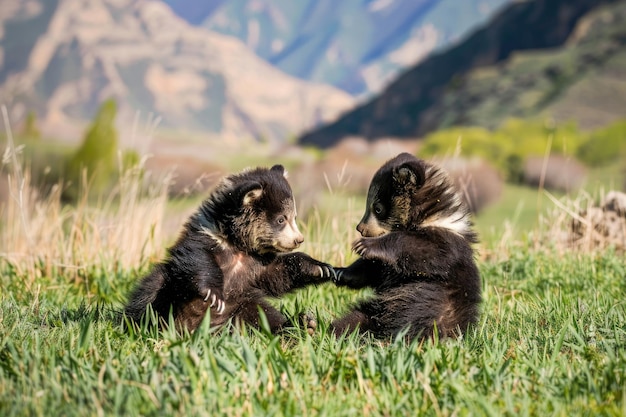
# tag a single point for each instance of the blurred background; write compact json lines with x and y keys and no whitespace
{"x":523,"y":101}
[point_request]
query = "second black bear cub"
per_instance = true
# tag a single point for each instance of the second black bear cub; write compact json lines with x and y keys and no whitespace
{"x":232,"y":253}
{"x":415,"y":253}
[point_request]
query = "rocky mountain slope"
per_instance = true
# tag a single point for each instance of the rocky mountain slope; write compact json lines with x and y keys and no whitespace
{"x":560,"y":58}
{"x":356,"y":45}
{"x":63,"y":57}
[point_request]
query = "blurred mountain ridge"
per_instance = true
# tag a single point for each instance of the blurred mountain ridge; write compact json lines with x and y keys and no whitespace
{"x":356,"y":45}
{"x":62,"y":58}
{"x":560,"y":59}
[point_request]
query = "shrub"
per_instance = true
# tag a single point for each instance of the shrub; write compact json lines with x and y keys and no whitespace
{"x":604,"y":145}
{"x":533,"y":137}
{"x":558,"y":172}
{"x":465,"y":141}
{"x":506,"y":148}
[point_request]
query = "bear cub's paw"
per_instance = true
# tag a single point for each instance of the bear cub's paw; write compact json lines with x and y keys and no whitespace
{"x":346,"y":277}
{"x":326,"y":271}
{"x":309,"y":322}
{"x":339,"y":278}
{"x":369,"y":248}
{"x":214,"y":297}
{"x":311,"y":267}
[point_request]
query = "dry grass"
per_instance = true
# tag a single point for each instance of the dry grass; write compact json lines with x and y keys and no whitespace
{"x":585,"y":223}
{"x":580,"y":224}
{"x":130,"y":226}
{"x":189,"y":176}
{"x":39,"y":233}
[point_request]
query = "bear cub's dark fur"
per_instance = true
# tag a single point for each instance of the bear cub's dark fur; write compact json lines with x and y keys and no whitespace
{"x":415,"y":253}
{"x":232,"y":254}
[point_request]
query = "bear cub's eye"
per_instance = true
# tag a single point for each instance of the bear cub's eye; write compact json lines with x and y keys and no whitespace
{"x":281,"y":220}
{"x":378,"y":208}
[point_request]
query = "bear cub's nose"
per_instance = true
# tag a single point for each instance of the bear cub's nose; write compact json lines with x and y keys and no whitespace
{"x":298,"y":240}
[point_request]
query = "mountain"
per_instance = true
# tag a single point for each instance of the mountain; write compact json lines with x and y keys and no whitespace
{"x":64,"y":57}
{"x":558,"y":58}
{"x":356,"y":45}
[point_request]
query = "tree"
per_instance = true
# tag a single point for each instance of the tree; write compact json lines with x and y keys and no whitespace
{"x":30,"y":129}
{"x":97,"y":153}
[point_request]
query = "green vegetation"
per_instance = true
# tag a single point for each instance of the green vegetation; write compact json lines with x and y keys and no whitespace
{"x":552,"y":341}
{"x":508,"y":146}
{"x":97,"y":155}
{"x":30,"y":129}
{"x":517,"y":210}
{"x":605,"y":145}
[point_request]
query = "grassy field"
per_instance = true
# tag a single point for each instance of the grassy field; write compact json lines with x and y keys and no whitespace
{"x":551,"y":340}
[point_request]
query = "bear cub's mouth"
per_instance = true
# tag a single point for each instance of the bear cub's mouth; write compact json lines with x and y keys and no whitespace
{"x":282,"y":248}
{"x":371,"y":230}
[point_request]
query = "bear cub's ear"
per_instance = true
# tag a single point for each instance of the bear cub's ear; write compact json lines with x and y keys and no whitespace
{"x":249,"y":192}
{"x":280,"y":169}
{"x":409,"y":173}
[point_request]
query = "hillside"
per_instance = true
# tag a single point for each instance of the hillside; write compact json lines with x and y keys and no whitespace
{"x":562,"y":58}
{"x":356,"y":45}
{"x":63,"y":57}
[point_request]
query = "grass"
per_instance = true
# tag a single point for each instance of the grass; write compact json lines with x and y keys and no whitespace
{"x":517,"y":210}
{"x":551,"y":339}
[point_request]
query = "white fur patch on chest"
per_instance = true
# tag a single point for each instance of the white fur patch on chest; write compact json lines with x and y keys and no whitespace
{"x":456,"y":222}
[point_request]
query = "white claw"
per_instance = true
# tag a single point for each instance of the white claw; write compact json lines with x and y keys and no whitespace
{"x":208,"y":293}
{"x":321,"y":271}
{"x":221,"y":306}
{"x":213,"y":298}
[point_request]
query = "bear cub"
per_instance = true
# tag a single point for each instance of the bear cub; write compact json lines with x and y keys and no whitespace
{"x":232,"y":253}
{"x":416,"y":253}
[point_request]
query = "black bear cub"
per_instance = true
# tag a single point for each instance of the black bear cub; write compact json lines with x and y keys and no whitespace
{"x":415,"y":253}
{"x":232,"y":254}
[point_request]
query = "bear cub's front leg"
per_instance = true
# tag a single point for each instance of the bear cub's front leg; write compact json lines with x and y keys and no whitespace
{"x":294,"y":270}
{"x":303,"y":266}
{"x":360,"y":274}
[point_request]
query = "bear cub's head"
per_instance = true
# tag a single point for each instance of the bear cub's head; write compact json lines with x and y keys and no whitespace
{"x":408,"y":193}
{"x":255,"y":211}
